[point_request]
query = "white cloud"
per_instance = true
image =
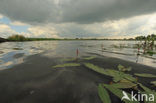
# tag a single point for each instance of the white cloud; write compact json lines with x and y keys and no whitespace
{"x":6,"y":31}
{"x":43,"y":31}
{"x":1,"y":16}
{"x":123,"y":28}
{"x":18,"y":23}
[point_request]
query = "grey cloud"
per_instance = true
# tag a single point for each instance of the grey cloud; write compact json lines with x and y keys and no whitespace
{"x":79,"y":11}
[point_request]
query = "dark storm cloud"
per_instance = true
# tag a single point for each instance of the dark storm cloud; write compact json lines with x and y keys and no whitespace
{"x":79,"y":11}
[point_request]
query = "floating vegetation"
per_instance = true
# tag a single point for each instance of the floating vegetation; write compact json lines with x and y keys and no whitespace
{"x":116,"y":89}
{"x":66,"y":65}
{"x":146,"y":44}
{"x":73,"y":59}
{"x":124,"y":85}
{"x":69,"y":59}
{"x":154,"y":83}
{"x":90,"y":58}
{"x":117,"y":75}
{"x":118,"y":93}
{"x":95,"y":68}
{"x":18,"y":48}
{"x":104,"y":96}
{"x":120,"y":46}
{"x":1,"y":52}
{"x":148,"y":91}
{"x":150,"y":52}
{"x":145,"y":75}
{"x":124,"y":69}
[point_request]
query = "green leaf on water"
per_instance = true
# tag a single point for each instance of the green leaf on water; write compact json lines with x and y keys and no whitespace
{"x":90,"y":58}
{"x":117,"y":75}
{"x":147,"y":91}
{"x":17,"y":48}
{"x":118,"y":93}
{"x":103,"y":94}
{"x":145,"y":75}
{"x":154,"y":83}
{"x":120,"y":75}
{"x":95,"y":68}
{"x":69,"y":59}
{"x":124,"y":85}
{"x":124,"y":69}
{"x":67,"y":65}
{"x":145,"y":88}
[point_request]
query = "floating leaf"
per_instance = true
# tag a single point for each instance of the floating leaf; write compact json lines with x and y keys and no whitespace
{"x":118,"y":93}
{"x":145,"y":88}
{"x":122,"y":85}
{"x":147,"y":91}
{"x":95,"y":68}
{"x":117,"y":76}
{"x":145,"y":75}
{"x":69,"y":59}
{"x":66,"y":65}
{"x":154,"y":83}
{"x":103,"y":94}
{"x":123,"y":69}
{"x":18,"y":48}
{"x":90,"y":58}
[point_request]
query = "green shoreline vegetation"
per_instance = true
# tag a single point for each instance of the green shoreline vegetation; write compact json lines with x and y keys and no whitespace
{"x":21,"y":38}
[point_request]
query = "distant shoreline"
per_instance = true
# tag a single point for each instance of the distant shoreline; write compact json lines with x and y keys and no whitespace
{"x":54,"y":39}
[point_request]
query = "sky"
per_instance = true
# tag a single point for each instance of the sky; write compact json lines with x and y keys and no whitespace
{"x":78,"y":18}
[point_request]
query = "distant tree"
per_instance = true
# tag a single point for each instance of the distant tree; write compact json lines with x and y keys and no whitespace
{"x":149,"y":37}
{"x":16,"y":38}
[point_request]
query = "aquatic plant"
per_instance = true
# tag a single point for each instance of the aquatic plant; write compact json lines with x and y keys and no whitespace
{"x":90,"y":58}
{"x":147,"y":91}
{"x":104,"y":96}
{"x":66,"y":65}
{"x":18,"y":48}
{"x":117,"y":75}
{"x":69,"y":59}
{"x":153,"y":82}
{"x":147,"y":44}
{"x":116,"y":89}
{"x":145,"y":75}
{"x":118,"y":93}
{"x":124,"y":85}
{"x":124,"y":69}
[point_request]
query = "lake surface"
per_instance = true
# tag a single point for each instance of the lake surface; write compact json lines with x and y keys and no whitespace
{"x":12,"y":53}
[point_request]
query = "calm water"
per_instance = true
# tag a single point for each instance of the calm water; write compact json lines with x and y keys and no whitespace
{"x":12,"y":53}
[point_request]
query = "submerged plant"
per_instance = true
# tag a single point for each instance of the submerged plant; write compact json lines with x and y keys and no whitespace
{"x":66,"y":65}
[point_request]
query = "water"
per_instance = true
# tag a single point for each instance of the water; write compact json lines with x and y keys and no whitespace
{"x":12,"y":53}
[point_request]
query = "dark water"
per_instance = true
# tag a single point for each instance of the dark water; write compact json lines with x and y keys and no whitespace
{"x":12,"y":53}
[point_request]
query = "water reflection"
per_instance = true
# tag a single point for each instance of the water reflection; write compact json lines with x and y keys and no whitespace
{"x":12,"y":53}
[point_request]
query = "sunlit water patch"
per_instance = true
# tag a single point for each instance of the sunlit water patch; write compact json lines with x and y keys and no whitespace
{"x":12,"y":53}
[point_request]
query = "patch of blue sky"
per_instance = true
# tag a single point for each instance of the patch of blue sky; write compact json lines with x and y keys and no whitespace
{"x":7,"y":21}
{"x":19,"y":28}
